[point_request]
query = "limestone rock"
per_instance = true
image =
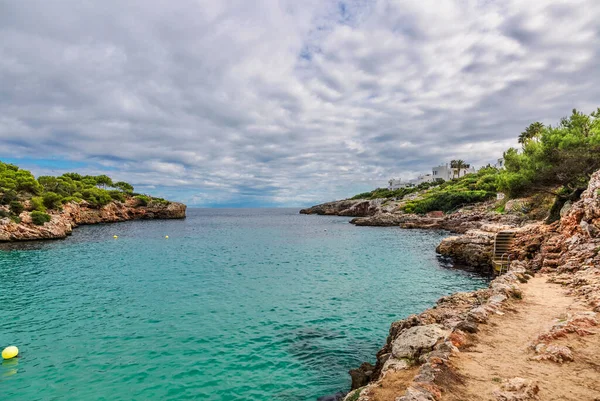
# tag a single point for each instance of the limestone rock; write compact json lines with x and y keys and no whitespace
{"x":74,"y":214}
{"x":417,"y":340}
{"x":474,"y":249}
{"x":517,"y":389}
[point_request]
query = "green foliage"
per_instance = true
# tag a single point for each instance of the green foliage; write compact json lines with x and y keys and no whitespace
{"x":16,"y":207}
{"x":553,"y":156}
{"x":52,"y":200}
{"x":39,"y":218}
{"x":4,"y":213}
{"x":124,"y":186}
{"x":355,"y":396}
{"x":380,"y":193}
{"x":15,"y":219}
{"x":143,"y":200}
{"x":14,"y":180}
{"x":451,"y":195}
{"x":73,"y":198}
{"x":117,"y":195}
{"x":96,"y":197}
{"x":37,"y":203}
{"x":7,"y":197}
{"x":49,"y":192}
{"x":104,"y":181}
{"x":447,"y":201}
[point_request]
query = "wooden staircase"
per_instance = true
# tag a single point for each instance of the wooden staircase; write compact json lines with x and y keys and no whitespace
{"x":501,"y":257}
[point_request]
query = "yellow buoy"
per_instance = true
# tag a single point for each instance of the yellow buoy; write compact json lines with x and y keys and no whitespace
{"x":115,"y":236}
{"x":10,"y":352}
{"x":166,"y":236}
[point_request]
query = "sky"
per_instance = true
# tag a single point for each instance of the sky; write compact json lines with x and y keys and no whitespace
{"x":238,"y":103}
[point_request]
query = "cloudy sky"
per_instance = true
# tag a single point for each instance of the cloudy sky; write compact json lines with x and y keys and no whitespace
{"x":284,"y":102}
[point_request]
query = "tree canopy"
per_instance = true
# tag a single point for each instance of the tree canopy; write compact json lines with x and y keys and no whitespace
{"x":49,"y":192}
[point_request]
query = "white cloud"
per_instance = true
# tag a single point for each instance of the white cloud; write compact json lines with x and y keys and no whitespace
{"x":283,"y":101}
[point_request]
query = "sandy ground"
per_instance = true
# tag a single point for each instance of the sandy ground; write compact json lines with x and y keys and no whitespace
{"x":502,"y":351}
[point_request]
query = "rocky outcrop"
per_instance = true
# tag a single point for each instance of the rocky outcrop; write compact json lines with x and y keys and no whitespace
{"x":461,"y":221}
{"x":569,"y":250}
{"x":473,"y":249}
{"x":351,"y":208}
{"x":75,"y":214}
{"x":429,"y":339}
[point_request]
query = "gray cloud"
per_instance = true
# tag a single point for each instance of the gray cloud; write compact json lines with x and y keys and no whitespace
{"x":285,"y":102}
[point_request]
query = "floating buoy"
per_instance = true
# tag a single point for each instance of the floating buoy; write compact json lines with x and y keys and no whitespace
{"x":115,"y":236}
{"x":10,"y":352}
{"x":166,"y":236}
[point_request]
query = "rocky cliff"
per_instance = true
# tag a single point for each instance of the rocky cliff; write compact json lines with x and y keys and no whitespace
{"x":415,"y":362}
{"x":74,"y":214}
{"x":352,"y":208}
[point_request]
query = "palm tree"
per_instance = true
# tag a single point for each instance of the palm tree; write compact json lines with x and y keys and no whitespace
{"x":532,"y":132}
{"x":456,"y":166}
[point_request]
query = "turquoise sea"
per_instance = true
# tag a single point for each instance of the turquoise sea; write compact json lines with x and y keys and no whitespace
{"x":260,"y":304}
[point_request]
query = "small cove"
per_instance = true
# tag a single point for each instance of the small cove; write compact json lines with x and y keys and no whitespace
{"x":238,"y":304}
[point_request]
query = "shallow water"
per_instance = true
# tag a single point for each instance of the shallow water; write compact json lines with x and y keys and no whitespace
{"x":260,"y":304}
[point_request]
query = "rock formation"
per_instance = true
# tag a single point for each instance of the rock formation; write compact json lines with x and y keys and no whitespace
{"x":74,"y":214}
{"x":569,"y":250}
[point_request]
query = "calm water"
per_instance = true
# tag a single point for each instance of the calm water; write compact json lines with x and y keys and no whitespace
{"x":235,"y":305}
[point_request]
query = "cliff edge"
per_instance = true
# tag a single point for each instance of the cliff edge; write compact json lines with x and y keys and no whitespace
{"x":73,"y":214}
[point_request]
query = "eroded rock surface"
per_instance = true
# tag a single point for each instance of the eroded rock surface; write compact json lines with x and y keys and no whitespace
{"x":74,"y":214}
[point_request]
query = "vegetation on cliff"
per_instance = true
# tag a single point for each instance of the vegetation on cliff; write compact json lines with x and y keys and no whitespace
{"x":451,"y":195}
{"x":19,"y":188}
{"x":557,"y":160}
{"x":381,"y":193}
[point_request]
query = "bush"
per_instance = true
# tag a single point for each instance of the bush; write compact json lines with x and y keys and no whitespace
{"x":69,"y":199}
{"x":96,"y":197}
{"x":447,"y":201}
{"x":4,"y":213}
{"x":143,"y":200}
{"x":117,"y":195}
{"x":15,"y":219}
{"x":380,"y":193}
{"x":7,"y":196}
{"x":124,"y":186}
{"x":16,"y":207}
{"x":52,"y":200}
{"x":37,"y":203}
{"x":39,"y":218}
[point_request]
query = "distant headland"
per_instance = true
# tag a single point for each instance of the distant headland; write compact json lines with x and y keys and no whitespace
{"x":50,"y":207}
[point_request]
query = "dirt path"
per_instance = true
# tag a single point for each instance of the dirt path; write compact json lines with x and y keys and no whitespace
{"x":502,"y":351}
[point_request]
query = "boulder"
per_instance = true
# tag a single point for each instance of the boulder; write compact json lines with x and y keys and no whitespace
{"x":417,"y":340}
{"x":517,"y":389}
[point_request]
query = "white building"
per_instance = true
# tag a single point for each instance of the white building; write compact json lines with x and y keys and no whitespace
{"x":396,"y":183}
{"x":441,"y":172}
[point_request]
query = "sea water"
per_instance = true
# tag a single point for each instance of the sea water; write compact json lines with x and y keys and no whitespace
{"x":261,"y":304}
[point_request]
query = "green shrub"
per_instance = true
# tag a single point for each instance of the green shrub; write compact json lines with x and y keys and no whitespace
{"x":37,"y":203}
{"x":15,"y":219}
{"x":447,"y":201}
{"x":143,"y":200}
{"x":117,"y":195}
{"x":4,"y":213}
{"x":52,"y":200}
{"x":16,"y":207}
{"x":380,"y":193}
{"x":124,"y":186}
{"x":96,"y":197}
{"x":69,"y":199}
{"x":39,"y":218}
{"x":7,"y":196}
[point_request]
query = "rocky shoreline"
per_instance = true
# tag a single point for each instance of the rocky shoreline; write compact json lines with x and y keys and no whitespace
{"x":75,"y":214}
{"x":419,"y":350}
